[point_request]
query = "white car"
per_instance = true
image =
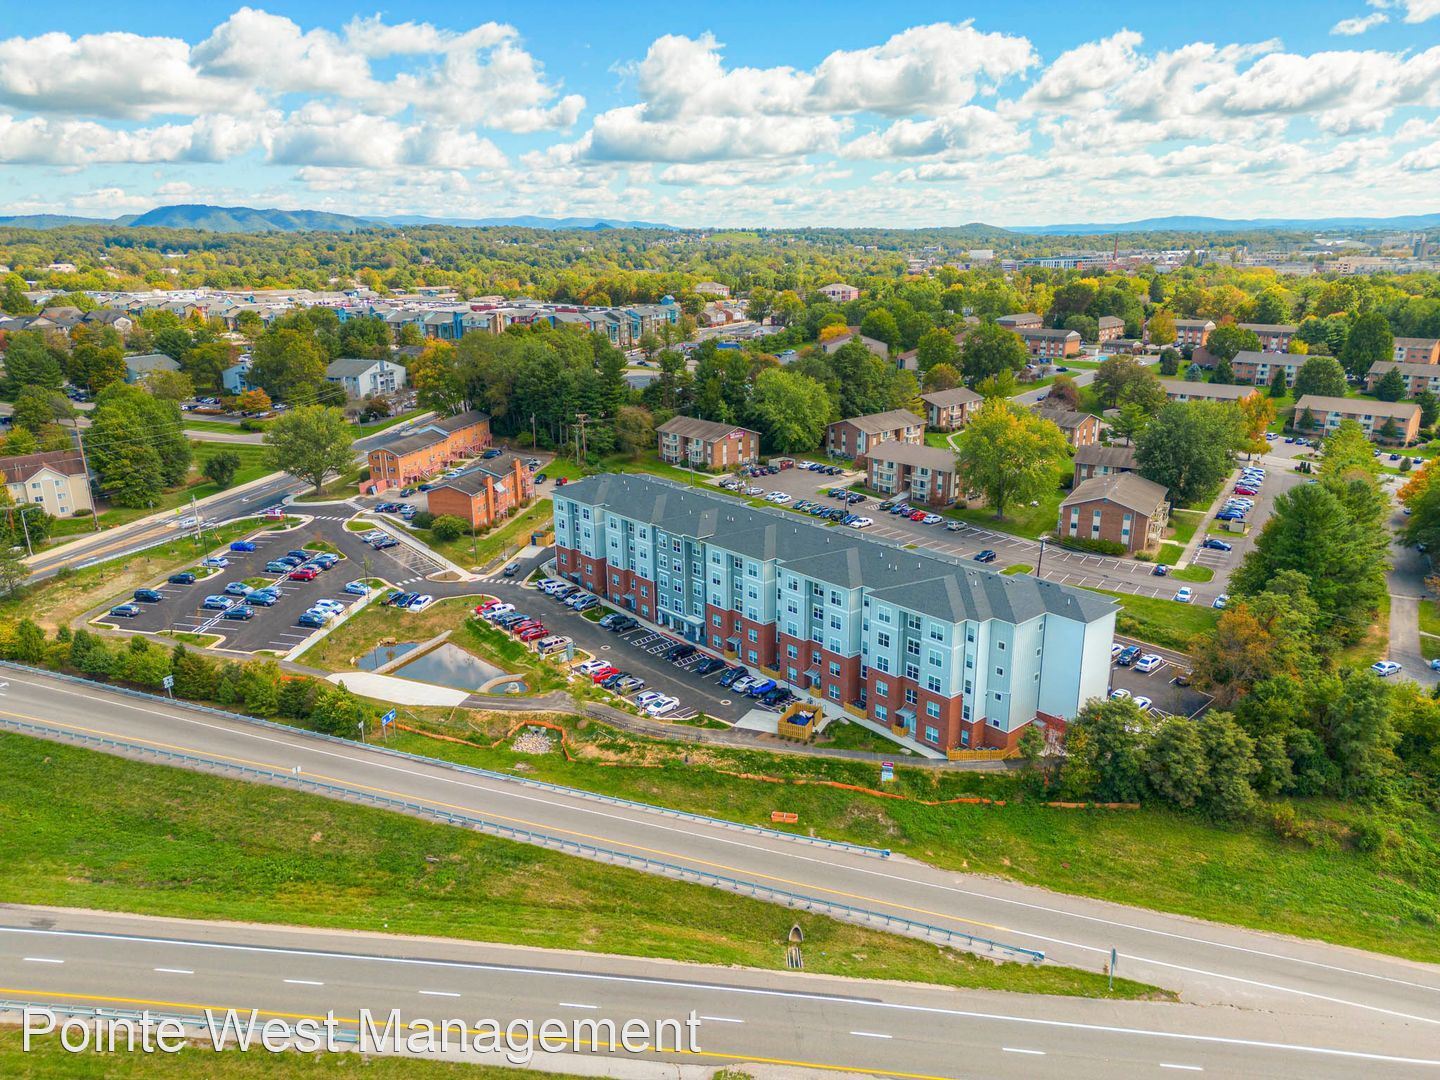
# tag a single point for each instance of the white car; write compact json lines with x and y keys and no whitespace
{"x":861,"y":523}
{"x":647,"y":698}
{"x":1185,"y":595}
{"x":420,"y":603}
{"x":499,"y":609}
{"x":743,"y":683}
{"x":1148,"y":663}
{"x":357,"y":588}
{"x":661,"y":705}
{"x":328,"y":605}
{"x":1116,"y":649}
{"x":931,"y":519}
{"x":589,"y":667}
{"x":1142,"y":703}
{"x":1385,"y":668}
{"x":780,"y":497}
{"x":1119,"y":694}
{"x":1220,"y":601}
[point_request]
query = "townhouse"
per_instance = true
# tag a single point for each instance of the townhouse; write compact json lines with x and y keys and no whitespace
{"x":1274,"y":337}
{"x":1121,"y":508}
{"x":361,"y":377}
{"x":705,"y":444}
{"x":1414,"y":350}
{"x":437,"y":445}
{"x":485,"y":493}
{"x":949,"y":410}
{"x":1192,"y":333}
{"x":1081,"y":429}
{"x":712,"y":288}
{"x":852,"y":333}
{"x":1382,"y":421}
{"x":55,"y":479}
{"x":1260,"y":367}
{"x":1417,"y":376}
{"x":853,"y":437}
{"x":1177,"y":390}
{"x":1050,"y":344}
{"x":1097,"y":460}
{"x":922,"y":475}
{"x":943,"y":652}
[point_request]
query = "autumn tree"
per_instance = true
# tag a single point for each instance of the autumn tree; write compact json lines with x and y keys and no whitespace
{"x":1010,"y":454}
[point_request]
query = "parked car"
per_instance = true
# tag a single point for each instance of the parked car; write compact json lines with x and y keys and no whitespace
{"x":126,"y":611}
{"x":236,"y":588}
{"x":1220,"y":601}
{"x":242,"y":545}
{"x":305,"y":573}
{"x":1160,"y":570}
{"x":860,"y":523}
{"x":239,"y":611}
{"x":1128,"y":655}
{"x":311,"y":620}
{"x":356,"y":588}
{"x":1216,"y":545}
{"x":662,"y":705}
{"x":218,"y":562}
{"x":931,"y":519}
{"x":764,"y":686}
{"x":1119,"y":694}
{"x":954,"y":526}
{"x":1185,"y":594}
{"x":495,"y":611}
{"x":985,"y":556}
{"x":216,"y":603}
{"x":185,"y":577}
{"x":1148,"y":663}
{"x":1143,"y":703}
{"x":743,"y":683}
{"x":149,"y":596}
{"x":1385,"y":668}
{"x":532,"y":634}
{"x":420,"y":603}
{"x":328,"y":605}
{"x":731,"y":675}
{"x":584,"y":603}
{"x":263,"y":597}
{"x":706,"y":666}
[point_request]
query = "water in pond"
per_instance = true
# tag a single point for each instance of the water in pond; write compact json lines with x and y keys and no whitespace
{"x":381,"y":655}
{"x":449,"y":665}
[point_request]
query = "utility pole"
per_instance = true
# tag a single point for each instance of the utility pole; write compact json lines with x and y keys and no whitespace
{"x":1040,"y":563}
{"x":581,"y":419}
{"x":84,"y":464}
{"x":25,"y":527}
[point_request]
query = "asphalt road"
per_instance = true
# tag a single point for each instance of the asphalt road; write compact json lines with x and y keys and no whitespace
{"x":782,"y":1024}
{"x":1207,"y":963}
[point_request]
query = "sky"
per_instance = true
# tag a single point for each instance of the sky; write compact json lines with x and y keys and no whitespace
{"x":731,"y":114}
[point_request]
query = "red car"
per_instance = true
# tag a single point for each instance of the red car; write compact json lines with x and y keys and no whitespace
{"x":480,"y":609}
{"x":304,"y":574}
{"x":918,"y":515}
{"x":533,"y":633}
{"x":520,"y":627}
{"x":604,"y":673}
{"x":1246,"y":491}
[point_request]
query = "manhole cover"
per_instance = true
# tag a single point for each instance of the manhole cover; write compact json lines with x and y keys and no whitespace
{"x":725,"y":701}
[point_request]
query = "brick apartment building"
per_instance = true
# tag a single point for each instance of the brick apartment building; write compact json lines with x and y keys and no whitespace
{"x":1414,"y":350}
{"x":417,"y":456}
{"x":1201,"y":391}
{"x":1050,"y":344}
{"x":942,"y":651}
{"x":949,"y":410}
{"x":1417,"y":376}
{"x":1024,"y":320}
{"x":1274,"y":337}
{"x":1260,"y":367}
{"x":922,"y":475}
{"x":484,"y":493}
{"x":1096,"y":460}
{"x":1123,"y":508}
{"x":853,"y":437}
{"x":1329,"y":412}
{"x":704,"y":444}
{"x":1192,"y":333}
{"x":1110,"y":328}
{"x":1081,"y":429}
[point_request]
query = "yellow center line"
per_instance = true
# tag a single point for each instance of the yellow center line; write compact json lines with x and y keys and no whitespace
{"x":147,"y":1003}
{"x":525,"y":823}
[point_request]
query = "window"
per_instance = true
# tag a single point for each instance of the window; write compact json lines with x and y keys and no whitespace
{"x":882,"y":689}
{"x":931,"y":734}
{"x":910,"y":696}
{"x":1001,"y":646}
{"x":882,"y":639}
{"x":754,"y":656}
{"x":1000,"y":671}
{"x":792,"y":652}
{"x":752,"y":635}
{"x":833,"y":692}
{"x":881,"y":712}
{"x":932,"y":709}
{"x":912,"y":646}
{"x":834,"y":667}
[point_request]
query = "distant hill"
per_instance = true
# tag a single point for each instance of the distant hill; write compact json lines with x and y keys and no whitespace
{"x":57,"y":221}
{"x":244,"y":219}
{"x":1184,"y":223}
{"x":527,"y":221}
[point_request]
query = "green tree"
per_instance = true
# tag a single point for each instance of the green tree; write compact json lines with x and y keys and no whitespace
{"x":880,"y":325}
{"x":1161,"y":328}
{"x":1320,"y":375}
{"x":36,"y":406}
{"x":941,"y":377}
{"x":447,"y":528}
{"x":1106,"y":755}
{"x":1228,"y":340}
{"x":309,"y":443}
{"x":634,"y":430}
{"x":289,"y":363}
{"x":1346,"y":452}
{"x":1121,"y":378}
{"x":220,"y":468}
{"x":937,"y":347}
{"x":1370,"y":340}
{"x":1232,"y":767}
{"x":1223,"y":374}
{"x":990,"y":349}
{"x":136,"y":445}
{"x":13,"y":300}
{"x":1278,"y":386}
{"x":1176,"y":767}
{"x":1429,"y":407}
{"x":1010,"y":454}
{"x":790,"y":410}
{"x":1169,"y":362}
{"x":1190,"y":447}
{"x":1391,"y":386}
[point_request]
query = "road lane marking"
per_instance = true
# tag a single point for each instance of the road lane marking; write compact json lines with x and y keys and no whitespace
{"x":721,"y":1019}
{"x":871,"y":1035}
{"x":40,"y":960}
{"x":1187,"y":1068}
{"x":575,"y":1005}
{"x":304,"y":982}
{"x":174,"y":971}
{"x":1020,"y":1050}
{"x":439,"y":993}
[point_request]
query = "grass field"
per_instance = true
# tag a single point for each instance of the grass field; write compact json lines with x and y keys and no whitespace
{"x":47,"y":1060}
{"x":1193,"y":573}
{"x":1430,"y":617}
{"x":252,"y":460}
{"x":1021,"y":519}
{"x":1161,"y":621}
{"x":479,"y":550}
{"x":1183,"y":524}
{"x":163,"y":841}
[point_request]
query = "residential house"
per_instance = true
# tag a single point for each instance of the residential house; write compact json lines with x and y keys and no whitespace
{"x":1414,"y":350}
{"x":1097,"y":460}
{"x":705,"y":444}
{"x":1192,"y":333}
{"x":1122,"y":508}
{"x":1050,"y":344}
{"x":839,"y":293}
{"x":362,"y":377}
{"x":425,"y":452}
{"x":933,"y":646}
{"x":485,"y":493}
{"x":1327,"y":413}
{"x":852,"y":438}
{"x":235,"y":379}
{"x":56,"y":480}
{"x":920,"y":474}
{"x":137,"y":368}
{"x":949,"y":410}
{"x":1081,"y":429}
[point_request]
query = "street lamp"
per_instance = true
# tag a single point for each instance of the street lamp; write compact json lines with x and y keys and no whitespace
{"x":1040,"y":562}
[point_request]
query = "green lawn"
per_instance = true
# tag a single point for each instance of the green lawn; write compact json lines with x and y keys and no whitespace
{"x":374,"y":428}
{"x":1021,"y":519}
{"x":1162,"y":621}
{"x":163,"y":841}
{"x":479,"y":550}
{"x":1430,"y":617}
{"x":1193,"y":574}
{"x":340,"y":487}
{"x":940,"y":440}
{"x":1018,"y":568}
{"x":190,"y":422}
{"x":844,"y":735}
{"x":252,"y":459}
{"x":1429,"y":646}
{"x":1183,"y":524}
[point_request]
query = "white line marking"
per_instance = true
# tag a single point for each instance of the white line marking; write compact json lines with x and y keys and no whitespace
{"x":871,"y":1035}
{"x":439,"y":993}
{"x":41,"y":960}
{"x":304,"y":982}
{"x":1187,"y":1068}
{"x":575,"y":1005}
{"x":175,"y":971}
{"x":721,"y":1019}
{"x":1019,"y":1050}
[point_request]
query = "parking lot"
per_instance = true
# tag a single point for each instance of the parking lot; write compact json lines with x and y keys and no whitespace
{"x":1158,"y":686}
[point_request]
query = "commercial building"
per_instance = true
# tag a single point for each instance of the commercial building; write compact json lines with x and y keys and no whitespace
{"x":418,"y":456}
{"x":56,"y":480}
{"x":1096,"y":460}
{"x":940,"y":650}
{"x":1122,"y":508}
{"x":704,"y":444}
{"x":362,"y":378}
{"x":1400,"y":418}
{"x":484,"y":493}
{"x":949,"y":410}
{"x":922,"y":475}
{"x":853,"y":437}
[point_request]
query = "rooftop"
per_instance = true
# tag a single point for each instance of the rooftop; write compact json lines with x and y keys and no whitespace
{"x":1128,"y":489}
{"x":693,"y":428}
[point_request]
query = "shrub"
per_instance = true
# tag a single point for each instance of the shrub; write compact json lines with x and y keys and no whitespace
{"x":423,"y":520}
{"x":448,"y":527}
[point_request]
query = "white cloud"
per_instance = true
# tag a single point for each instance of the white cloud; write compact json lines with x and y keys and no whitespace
{"x":1359,"y":24}
{"x":968,"y":129}
{"x":320,"y":136}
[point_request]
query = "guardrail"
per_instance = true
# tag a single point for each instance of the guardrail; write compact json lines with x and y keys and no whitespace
{"x":470,"y":770}
{"x":595,"y":852}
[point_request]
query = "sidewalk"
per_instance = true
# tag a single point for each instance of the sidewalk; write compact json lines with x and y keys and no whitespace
{"x":1210,"y":512}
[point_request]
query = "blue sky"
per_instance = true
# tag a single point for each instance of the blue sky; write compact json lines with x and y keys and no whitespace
{"x":733,"y":114}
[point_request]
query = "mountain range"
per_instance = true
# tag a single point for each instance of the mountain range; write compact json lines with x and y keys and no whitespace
{"x":245,"y":219}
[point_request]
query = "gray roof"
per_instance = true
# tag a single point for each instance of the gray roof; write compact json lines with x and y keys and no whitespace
{"x":472,"y":480}
{"x":877,"y":423}
{"x":1047,"y":332}
{"x":1401,"y":410}
{"x":1194,"y":322}
{"x":1109,"y":320}
{"x":1255,"y":356}
{"x":1114,"y":457}
{"x":350,"y":367}
{"x":1129,"y":490}
{"x":1213,"y":391}
{"x":944,"y":399}
{"x":1269,"y":328}
{"x":152,"y":362}
{"x":916,"y":454}
{"x":1064,"y":419}
{"x":694,"y":428}
{"x":926,"y":582}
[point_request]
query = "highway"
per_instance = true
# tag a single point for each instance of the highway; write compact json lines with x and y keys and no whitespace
{"x":787,"y":1023}
{"x":1206,"y":963}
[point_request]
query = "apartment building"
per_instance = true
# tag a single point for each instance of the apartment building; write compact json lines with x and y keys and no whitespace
{"x":1111,"y":328}
{"x":1417,"y":376}
{"x":840,"y":293}
{"x":1096,"y":460}
{"x":362,"y":377}
{"x":1260,"y":367}
{"x":420,"y":455}
{"x":484,"y":493}
{"x":950,"y":410}
{"x":1201,"y":391}
{"x":940,"y":650}
{"x":1402,"y":418}
{"x":853,"y":437}
{"x":1050,"y":344}
{"x":1023,"y":320}
{"x":1081,"y":429}
{"x":704,"y":444}
{"x":1414,"y":350}
{"x":1192,"y":333}
{"x":922,"y":475}
{"x":1274,"y":337}
{"x":55,"y":480}
{"x":1122,"y":508}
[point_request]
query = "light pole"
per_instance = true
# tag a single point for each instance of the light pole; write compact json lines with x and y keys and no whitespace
{"x":1040,"y":562}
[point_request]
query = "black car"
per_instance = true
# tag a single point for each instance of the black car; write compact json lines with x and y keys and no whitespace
{"x":239,"y":611}
{"x":731,"y":674}
{"x":620,"y":624}
{"x":708,"y":665}
{"x":985,"y":556}
{"x":1128,"y":655}
{"x":512,"y":570}
{"x":680,"y":652}
{"x":1160,"y":570}
{"x":777,"y":698}
{"x":149,"y":596}
{"x":184,"y":578}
